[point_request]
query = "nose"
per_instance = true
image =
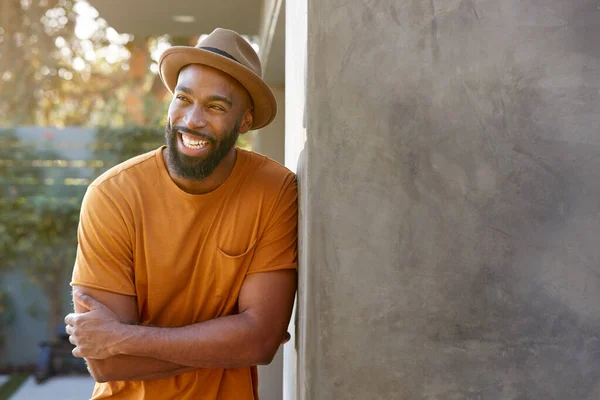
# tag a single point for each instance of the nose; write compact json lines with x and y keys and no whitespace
{"x":194,"y":118}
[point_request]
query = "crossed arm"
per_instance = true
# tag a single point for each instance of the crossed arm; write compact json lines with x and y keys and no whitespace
{"x":104,"y":331}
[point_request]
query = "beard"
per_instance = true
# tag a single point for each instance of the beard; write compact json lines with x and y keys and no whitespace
{"x":196,"y":168}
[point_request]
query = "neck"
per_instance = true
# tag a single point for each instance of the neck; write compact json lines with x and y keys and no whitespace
{"x":207,"y":185}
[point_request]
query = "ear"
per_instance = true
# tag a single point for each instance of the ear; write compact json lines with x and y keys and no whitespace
{"x":247,"y":120}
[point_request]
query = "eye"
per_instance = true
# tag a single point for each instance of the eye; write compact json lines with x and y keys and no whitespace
{"x":180,"y":97}
{"x":216,"y":107}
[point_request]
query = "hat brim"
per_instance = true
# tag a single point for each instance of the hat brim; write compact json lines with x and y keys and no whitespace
{"x":177,"y":57}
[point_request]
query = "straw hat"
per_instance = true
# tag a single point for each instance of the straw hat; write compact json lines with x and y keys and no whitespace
{"x":227,"y":51}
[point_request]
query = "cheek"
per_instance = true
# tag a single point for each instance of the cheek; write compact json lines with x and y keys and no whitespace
{"x":175,"y":112}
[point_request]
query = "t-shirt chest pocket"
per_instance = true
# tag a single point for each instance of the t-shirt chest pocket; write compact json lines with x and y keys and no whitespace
{"x":235,"y":242}
{"x":230,"y":268}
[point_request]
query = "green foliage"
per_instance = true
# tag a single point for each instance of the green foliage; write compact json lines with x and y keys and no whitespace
{"x":47,"y":253}
{"x":54,"y":74}
{"x":12,"y":385}
{"x":38,"y":230}
{"x":46,"y":250}
{"x":51,"y":226}
{"x":12,"y":155}
{"x":6,"y":309}
{"x":12,"y":203}
{"x":115,"y":145}
{"x":47,"y":76}
{"x":21,"y":205}
{"x":6,"y":313}
{"x":38,"y":223}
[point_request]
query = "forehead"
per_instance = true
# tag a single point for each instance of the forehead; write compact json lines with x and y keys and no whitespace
{"x":202,"y":77}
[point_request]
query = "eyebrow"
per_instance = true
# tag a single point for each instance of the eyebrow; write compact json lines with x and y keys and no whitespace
{"x":223,"y":99}
{"x":183,"y":89}
{"x":214,"y":97}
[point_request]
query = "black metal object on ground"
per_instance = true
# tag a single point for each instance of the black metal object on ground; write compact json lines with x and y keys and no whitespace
{"x":56,"y":358}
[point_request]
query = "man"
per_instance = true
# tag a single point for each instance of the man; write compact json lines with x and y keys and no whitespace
{"x":186,"y":265}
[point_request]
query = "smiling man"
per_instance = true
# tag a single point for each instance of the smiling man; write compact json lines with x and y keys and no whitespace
{"x":186,"y":265}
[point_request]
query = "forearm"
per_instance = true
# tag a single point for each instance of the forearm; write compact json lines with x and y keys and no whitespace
{"x":133,"y":368}
{"x":226,"y":342}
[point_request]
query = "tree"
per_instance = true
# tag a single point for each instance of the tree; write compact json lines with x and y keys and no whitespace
{"x":38,"y":232}
{"x":49,"y":75}
{"x":14,"y":171}
{"x":47,"y":253}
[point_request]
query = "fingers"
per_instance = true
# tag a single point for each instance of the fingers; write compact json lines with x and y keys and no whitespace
{"x":73,"y":340}
{"x":87,"y":301}
{"x":71,"y":318}
{"x":76,"y":351}
{"x":74,"y":318}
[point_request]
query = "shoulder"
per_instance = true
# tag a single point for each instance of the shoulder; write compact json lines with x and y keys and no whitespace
{"x":270,"y":183}
{"x":263,"y":171}
{"x":119,"y":186}
{"x":127,"y":173}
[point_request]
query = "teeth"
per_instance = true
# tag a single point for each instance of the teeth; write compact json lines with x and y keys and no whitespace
{"x":192,"y":143}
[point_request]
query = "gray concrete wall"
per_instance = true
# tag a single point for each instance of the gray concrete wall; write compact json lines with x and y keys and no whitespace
{"x":452,"y":221}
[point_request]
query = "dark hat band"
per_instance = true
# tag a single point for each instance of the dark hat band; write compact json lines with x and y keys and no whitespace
{"x":221,"y":52}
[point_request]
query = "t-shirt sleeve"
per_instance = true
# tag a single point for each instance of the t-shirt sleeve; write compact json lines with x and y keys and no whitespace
{"x":104,"y":253}
{"x":278,"y":247}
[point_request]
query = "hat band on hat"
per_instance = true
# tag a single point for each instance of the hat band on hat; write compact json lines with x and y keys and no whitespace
{"x":221,"y":52}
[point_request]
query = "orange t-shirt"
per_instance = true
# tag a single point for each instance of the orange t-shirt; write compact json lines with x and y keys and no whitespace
{"x":183,"y":256}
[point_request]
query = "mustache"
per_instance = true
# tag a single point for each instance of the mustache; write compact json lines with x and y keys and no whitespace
{"x":205,"y":136}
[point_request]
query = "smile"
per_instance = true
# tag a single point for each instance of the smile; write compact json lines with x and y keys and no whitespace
{"x":191,"y":143}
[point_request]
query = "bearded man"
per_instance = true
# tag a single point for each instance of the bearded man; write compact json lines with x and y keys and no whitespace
{"x":185,"y":274}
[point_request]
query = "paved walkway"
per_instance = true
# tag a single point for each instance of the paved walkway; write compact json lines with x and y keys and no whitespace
{"x":57,"y":388}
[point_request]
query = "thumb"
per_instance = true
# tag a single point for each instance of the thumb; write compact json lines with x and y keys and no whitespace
{"x":87,"y":301}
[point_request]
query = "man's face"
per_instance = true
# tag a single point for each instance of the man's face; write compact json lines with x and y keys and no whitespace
{"x":208,"y":112}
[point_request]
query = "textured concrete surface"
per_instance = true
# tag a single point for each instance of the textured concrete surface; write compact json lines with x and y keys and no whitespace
{"x":453,"y":161}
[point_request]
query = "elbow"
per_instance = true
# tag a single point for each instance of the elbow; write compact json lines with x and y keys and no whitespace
{"x":97,"y":371}
{"x":100,"y":379}
{"x":265,"y":360}
{"x":266,"y":352}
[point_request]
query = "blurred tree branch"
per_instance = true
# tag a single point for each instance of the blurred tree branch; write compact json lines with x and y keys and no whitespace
{"x":51,"y":76}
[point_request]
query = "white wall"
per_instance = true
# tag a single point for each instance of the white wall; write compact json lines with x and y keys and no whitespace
{"x":270,"y":141}
{"x":295,"y":137}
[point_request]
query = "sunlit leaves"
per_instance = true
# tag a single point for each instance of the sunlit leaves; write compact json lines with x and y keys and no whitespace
{"x":57,"y":59}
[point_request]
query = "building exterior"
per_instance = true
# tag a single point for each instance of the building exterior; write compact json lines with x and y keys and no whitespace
{"x":449,"y":186}
{"x":447,"y":156}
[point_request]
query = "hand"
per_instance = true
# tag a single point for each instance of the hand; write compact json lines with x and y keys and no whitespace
{"x":95,"y":333}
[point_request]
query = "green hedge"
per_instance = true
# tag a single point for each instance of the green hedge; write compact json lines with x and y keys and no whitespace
{"x":40,"y":200}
